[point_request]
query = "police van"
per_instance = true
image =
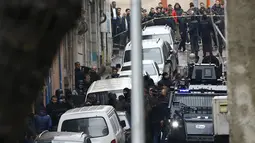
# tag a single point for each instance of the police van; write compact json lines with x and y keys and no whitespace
{"x":191,"y":108}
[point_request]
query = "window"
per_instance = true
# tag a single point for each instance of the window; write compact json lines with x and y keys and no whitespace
{"x":208,"y":73}
{"x":126,"y":68}
{"x":127,"y":56}
{"x":165,"y":51}
{"x":157,"y":67}
{"x":165,"y":37}
{"x":95,"y":127}
{"x":113,"y":125}
{"x":153,"y":54}
{"x":148,"y":54}
{"x":149,"y":68}
{"x":168,"y":46}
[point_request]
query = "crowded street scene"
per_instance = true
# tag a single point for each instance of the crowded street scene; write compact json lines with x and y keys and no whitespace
{"x":184,"y":72}
{"x":129,"y":73}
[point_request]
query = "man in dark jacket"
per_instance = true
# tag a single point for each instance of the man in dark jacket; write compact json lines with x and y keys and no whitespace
{"x":115,"y":73}
{"x":93,"y":74}
{"x":165,"y":81}
{"x":151,"y":13}
{"x":159,"y":114}
{"x":30,"y":129}
{"x":42,"y":121}
{"x":210,"y":58}
{"x":205,"y":30}
{"x":193,"y":31}
{"x":78,"y":75}
{"x":121,"y":103}
{"x":183,"y":32}
{"x":51,"y":110}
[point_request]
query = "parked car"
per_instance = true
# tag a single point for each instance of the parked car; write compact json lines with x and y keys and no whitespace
{"x":62,"y":137}
{"x":100,"y":122}
{"x":149,"y":66}
{"x":159,"y":31}
{"x":159,"y":51}
{"x":101,"y":88}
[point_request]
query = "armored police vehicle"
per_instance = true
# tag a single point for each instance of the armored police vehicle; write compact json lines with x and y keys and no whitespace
{"x":191,"y":108}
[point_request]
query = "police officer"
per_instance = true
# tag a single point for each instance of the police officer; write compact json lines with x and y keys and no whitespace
{"x":193,"y":31}
{"x":183,"y":31}
{"x":205,"y":30}
{"x":210,"y":58}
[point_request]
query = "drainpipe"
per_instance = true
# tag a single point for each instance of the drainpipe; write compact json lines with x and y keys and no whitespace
{"x":60,"y":69}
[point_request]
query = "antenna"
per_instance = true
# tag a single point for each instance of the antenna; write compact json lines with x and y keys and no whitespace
{"x":158,"y":40}
{"x":144,"y":27}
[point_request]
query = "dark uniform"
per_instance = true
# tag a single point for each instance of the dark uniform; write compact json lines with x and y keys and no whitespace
{"x":193,"y":31}
{"x":205,"y":30}
{"x":183,"y":32}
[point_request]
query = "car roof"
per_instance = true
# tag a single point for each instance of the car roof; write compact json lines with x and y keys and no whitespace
{"x":156,"y":30}
{"x":71,"y":136}
{"x":144,"y":62}
{"x":110,"y":84}
{"x":148,"y":43}
{"x":89,"y":109}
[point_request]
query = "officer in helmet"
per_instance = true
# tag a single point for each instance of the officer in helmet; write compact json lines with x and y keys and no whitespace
{"x":210,"y":58}
{"x":192,"y":61}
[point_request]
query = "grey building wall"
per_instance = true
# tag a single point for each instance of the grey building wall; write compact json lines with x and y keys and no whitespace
{"x":89,"y":42}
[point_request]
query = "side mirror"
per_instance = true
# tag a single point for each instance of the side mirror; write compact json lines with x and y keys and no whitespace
{"x":123,"y":123}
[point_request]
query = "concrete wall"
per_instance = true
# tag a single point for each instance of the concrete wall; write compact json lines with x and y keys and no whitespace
{"x":147,"y":4}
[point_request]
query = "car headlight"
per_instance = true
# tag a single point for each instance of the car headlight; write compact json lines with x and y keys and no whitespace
{"x":175,"y":124}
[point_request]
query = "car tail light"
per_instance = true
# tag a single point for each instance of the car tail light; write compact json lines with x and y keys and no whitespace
{"x":113,"y":141}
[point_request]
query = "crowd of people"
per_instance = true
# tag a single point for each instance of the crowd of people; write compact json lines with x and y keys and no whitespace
{"x":192,"y":26}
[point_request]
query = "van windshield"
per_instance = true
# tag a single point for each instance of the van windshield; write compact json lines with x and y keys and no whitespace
{"x":148,"y":54}
{"x":164,"y":37}
{"x":149,"y":68}
{"x":94,"y":126}
{"x":101,"y":98}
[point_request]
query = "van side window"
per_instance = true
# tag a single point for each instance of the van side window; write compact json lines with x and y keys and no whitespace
{"x":165,"y":51}
{"x":168,"y":46}
{"x":113,"y":125}
{"x":115,"y":121}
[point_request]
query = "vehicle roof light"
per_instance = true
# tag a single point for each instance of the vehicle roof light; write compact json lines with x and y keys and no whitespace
{"x":183,"y":91}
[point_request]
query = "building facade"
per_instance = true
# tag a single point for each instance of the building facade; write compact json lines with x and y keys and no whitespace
{"x":89,"y":43}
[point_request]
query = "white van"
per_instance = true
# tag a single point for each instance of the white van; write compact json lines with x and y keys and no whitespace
{"x":149,"y":66}
{"x":101,"y":88}
{"x":159,"y":31}
{"x":101,"y":123}
{"x":157,"y":50}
